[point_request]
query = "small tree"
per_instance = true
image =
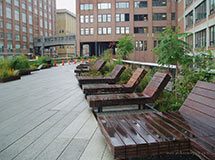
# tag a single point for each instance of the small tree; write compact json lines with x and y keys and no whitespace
{"x":172,"y":50}
{"x":125,"y":46}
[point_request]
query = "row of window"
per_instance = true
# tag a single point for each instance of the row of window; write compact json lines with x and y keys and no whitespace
{"x":9,"y":36}
{"x":200,"y":13}
{"x":120,"y":30}
{"x":211,"y":5}
{"x":201,"y":38}
{"x":44,"y":3}
{"x":124,"y":5}
{"x":124,"y":17}
{"x":17,"y":48}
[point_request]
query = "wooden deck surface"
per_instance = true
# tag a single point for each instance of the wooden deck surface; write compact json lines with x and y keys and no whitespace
{"x":44,"y":116}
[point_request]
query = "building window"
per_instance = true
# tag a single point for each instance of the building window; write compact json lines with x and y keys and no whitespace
{"x":104,"y":30}
{"x":122,"y":30}
{"x":122,"y":17}
{"x":91,"y":18}
{"x":156,"y":3}
{"x":201,"y":11}
{"x":82,"y":31}
{"x":188,"y":3}
{"x":1,"y":9}
{"x":85,"y":7}
{"x":140,"y":4}
{"x":87,"y":31}
{"x":91,"y":31}
{"x":23,"y":6}
{"x":104,"y":18}
{"x":159,"y":16}
{"x":173,"y":16}
{"x":86,"y":19}
{"x":1,"y":45}
{"x":189,"y":19}
{"x":122,"y":4}
{"x":189,"y":40}
{"x":9,"y":36}
{"x":17,"y":37}
{"x":200,"y":38}
{"x":8,"y":12}
{"x":212,"y":6}
{"x":212,"y":36}
{"x":158,"y":29}
{"x":1,"y":23}
{"x":16,"y":3}
{"x":156,"y":43}
{"x":24,"y":29}
{"x":16,"y":27}
{"x":104,"y":5}
{"x":24,"y":18}
{"x":17,"y":15}
{"x":140,"y":17}
{"x":8,"y":26}
{"x":140,"y":30}
{"x":31,"y":20}
{"x":82,"y":19}
{"x":141,"y":46}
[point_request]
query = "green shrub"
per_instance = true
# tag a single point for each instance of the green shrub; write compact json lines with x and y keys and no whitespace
{"x":126,"y":75}
{"x":5,"y":72}
{"x":20,"y":63}
{"x":5,"y":63}
{"x":107,"y":69}
{"x":107,"y":56}
{"x":145,"y":80}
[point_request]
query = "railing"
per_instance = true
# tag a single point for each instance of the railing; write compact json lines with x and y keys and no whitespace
{"x":148,"y":64}
{"x":54,"y":41}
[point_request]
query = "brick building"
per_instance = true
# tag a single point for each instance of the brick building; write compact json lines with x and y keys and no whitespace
{"x":21,"y":20}
{"x":198,"y":17}
{"x":101,"y":23}
{"x":65,"y":25}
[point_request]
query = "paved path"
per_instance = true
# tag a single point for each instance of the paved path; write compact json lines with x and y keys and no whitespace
{"x":44,"y":116}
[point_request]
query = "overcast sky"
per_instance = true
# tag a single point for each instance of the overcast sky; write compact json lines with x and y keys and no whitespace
{"x":66,"y":4}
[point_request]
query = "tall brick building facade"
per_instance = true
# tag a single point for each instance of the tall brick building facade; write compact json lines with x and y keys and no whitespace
{"x":21,"y":20}
{"x":101,"y":23}
{"x":198,"y":17}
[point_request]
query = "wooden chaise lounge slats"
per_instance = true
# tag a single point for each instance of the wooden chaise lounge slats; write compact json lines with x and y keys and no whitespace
{"x":113,"y":78}
{"x":99,"y":64}
{"x":191,"y":130}
{"x":92,"y":89}
{"x":149,"y":95}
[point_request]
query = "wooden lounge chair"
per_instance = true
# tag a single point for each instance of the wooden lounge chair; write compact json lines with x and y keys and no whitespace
{"x":97,"y":66}
{"x":190,"y":130}
{"x":133,"y":82}
{"x":113,"y":78}
{"x":149,"y":95}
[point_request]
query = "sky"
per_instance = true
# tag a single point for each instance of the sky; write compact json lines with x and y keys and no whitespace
{"x":66,"y":4}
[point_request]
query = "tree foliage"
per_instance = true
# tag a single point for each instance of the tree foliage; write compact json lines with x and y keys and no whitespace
{"x":125,"y":46}
{"x":172,"y":50}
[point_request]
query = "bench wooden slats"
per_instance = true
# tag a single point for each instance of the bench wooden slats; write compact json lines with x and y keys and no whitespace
{"x":191,"y":130}
{"x":203,"y":100}
{"x":140,"y":130}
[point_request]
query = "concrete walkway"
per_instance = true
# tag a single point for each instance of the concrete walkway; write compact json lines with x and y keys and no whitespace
{"x":44,"y":116}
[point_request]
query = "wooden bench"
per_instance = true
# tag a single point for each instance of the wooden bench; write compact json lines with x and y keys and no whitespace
{"x":133,"y":82}
{"x":113,"y":78}
{"x":99,"y":64}
{"x":149,"y":95}
{"x":191,"y":130}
